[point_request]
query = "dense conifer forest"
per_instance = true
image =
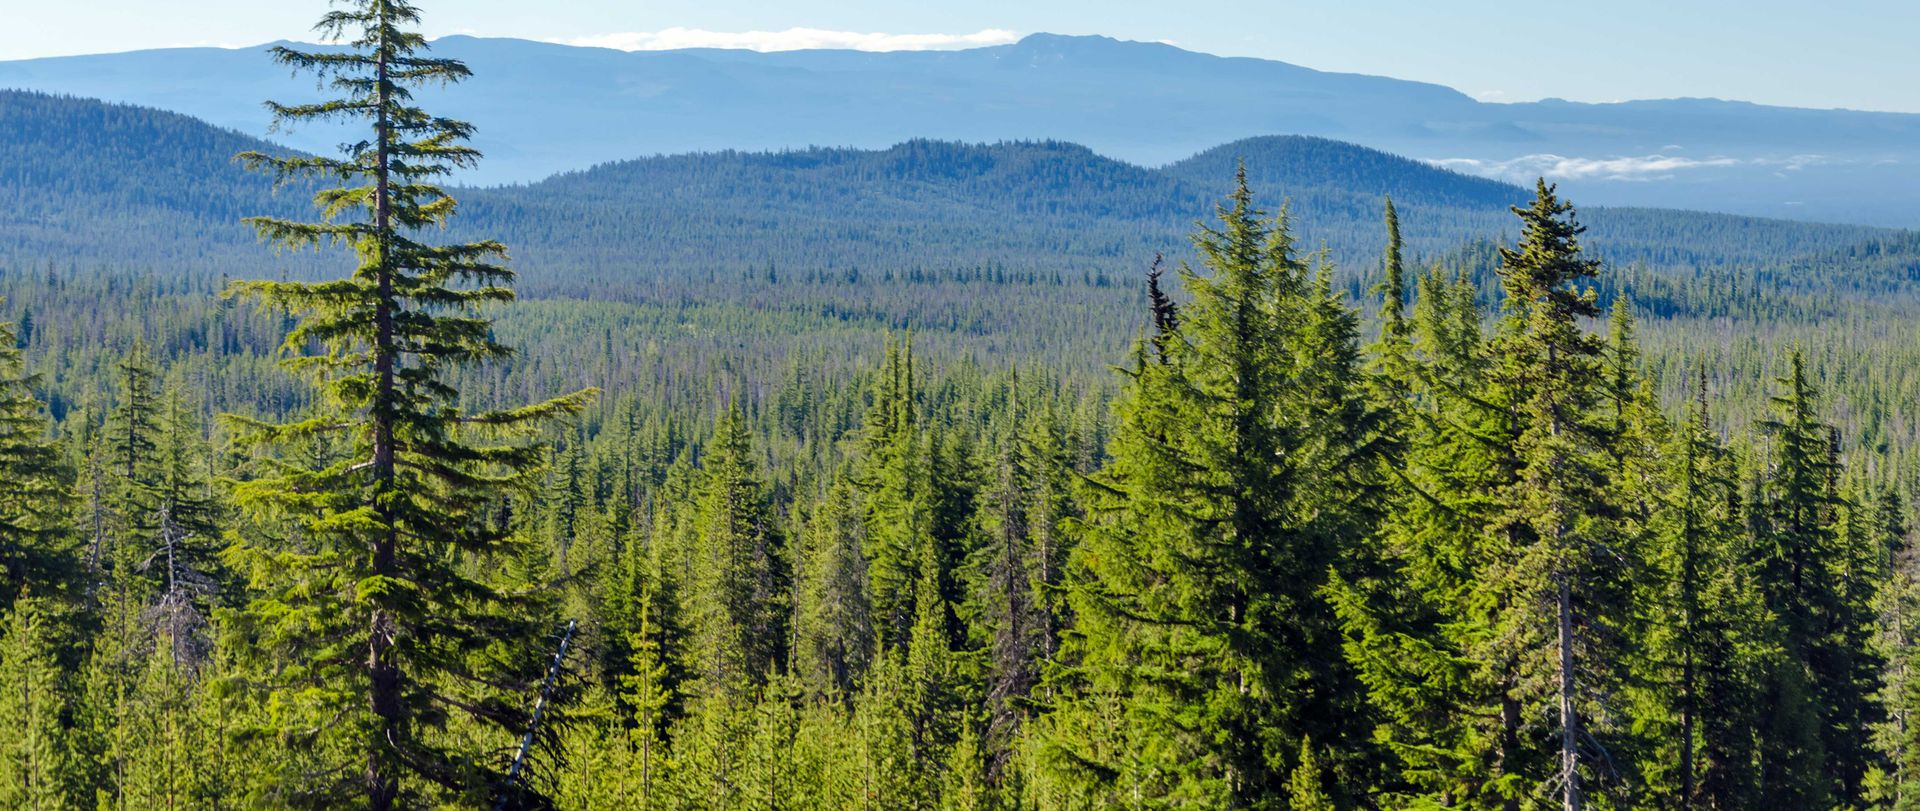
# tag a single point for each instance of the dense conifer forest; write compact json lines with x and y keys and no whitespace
{"x":934,"y":502}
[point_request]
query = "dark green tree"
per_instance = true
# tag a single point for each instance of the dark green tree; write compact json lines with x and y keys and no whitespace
{"x":1561,"y":584}
{"x":34,"y":538}
{"x":35,"y":761}
{"x":1204,"y":653}
{"x":1708,"y":637}
{"x":834,"y":634}
{"x":1816,"y":749}
{"x":737,"y":605}
{"x":369,"y":565}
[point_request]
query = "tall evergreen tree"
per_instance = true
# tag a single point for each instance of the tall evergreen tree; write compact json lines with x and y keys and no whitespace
{"x":834,"y":634}
{"x":1563,"y":552}
{"x":1503,"y":619}
{"x":133,"y":434}
{"x":736,"y":601}
{"x":1707,"y":634}
{"x":364,"y":565}
{"x":1204,"y":652}
{"x":35,"y":769}
{"x":895,"y":475}
{"x":34,"y":549}
{"x":1816,"y":747}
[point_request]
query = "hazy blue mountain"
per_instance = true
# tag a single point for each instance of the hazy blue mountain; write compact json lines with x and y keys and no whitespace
{"x":545,"y":108}
{"x":85,"y":183}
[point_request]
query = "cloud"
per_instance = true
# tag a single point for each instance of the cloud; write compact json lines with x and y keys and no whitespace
{"x":1644,"y":168}
{"x":792,"y":39}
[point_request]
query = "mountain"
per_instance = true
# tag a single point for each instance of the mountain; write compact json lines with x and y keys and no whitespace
{"x":84,"y":182}
{"x":545,"y":108}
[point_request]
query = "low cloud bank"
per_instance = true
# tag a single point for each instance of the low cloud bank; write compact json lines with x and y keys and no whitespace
{"x":1642,"y":168}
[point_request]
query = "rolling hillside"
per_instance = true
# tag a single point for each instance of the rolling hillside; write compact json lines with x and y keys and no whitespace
{"x":89,"y":183}
{"x":546,"y":108}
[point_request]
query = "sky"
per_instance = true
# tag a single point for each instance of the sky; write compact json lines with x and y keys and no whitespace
{"x":1806,"y":53}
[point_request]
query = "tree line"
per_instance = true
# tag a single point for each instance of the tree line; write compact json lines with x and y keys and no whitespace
{"x":1460,"y":553}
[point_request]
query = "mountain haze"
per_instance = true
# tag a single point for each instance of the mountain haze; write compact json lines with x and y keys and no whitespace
{"x":545,"y":108}
{"x":73,"y":171}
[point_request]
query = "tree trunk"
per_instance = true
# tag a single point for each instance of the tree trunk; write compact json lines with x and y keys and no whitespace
{"x":1569,"y":721}
{"x":382,"y":670}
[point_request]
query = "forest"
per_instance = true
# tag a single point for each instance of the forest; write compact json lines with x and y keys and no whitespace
{"x":1481,"y":519}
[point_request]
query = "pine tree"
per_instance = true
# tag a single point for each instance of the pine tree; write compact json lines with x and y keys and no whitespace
{"x":935,"y":693}
{"x":1444,"y":710}
{"x":833,"y":619}
{"x":183,"y":556}
{"x":1306,"y":785}
{"x":161,"y":772}
{"x":1166,"y":314}
{"x":650,"y":693}
{"x":895,"y":475}
{"x":364,"y":566}
{"x":1565,"y":552}
{"x":1707,"y":635}
{"x":34,"y":548}
{"x":890,"y":774}
{"x":1210,"y":535}
{"x":1503,"y":611}
{"x":34,"y":767}
{"x":132,"y":433}
{"x":1896,"y":781}
{"x":735,"y":605}
{"x":1015,"y":605}
{"x":24,"y":338}
{"x":1395,"y":333}
{"x":1817,"y":748}
{"x":772,"y":775}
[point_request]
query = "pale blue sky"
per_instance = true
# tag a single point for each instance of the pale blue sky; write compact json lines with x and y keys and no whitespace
{"x":1814,"y":53}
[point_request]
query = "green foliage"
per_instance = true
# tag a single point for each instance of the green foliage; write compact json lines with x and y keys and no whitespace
{"x":1199,"y":628}
{"x":819,"y":565}
{"x":36,"y":770}
{"x":368,"y":536}
{"x":34,"y":551}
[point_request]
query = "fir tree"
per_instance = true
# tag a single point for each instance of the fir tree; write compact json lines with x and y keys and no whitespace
{"x":1816,"y":746}
{"x":738,"y":620}
{"x":1564,"y":552}
{"x":182,"y":555}
{"x":34,"y":766}
{"x":1707,"y":635}
{"x":363,"y":565}
{"x":833,"y":618}
{"x":1392,"y":289}
{"x":1896,"y":780}
{"x":34,"y":551}
{"x":133,"y":432}
{"x":1211,"y":532}
{"x":895,"y":475}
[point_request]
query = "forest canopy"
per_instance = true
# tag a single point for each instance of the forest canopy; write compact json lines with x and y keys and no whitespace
{"x":1479,"y":523}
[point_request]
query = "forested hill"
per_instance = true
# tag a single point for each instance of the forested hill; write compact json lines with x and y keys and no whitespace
{"x":84,"y":182}
{"x":1303,"y":162}
{"x":545,"y":107}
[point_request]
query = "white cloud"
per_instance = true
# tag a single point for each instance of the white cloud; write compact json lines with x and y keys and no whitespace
{"x":792,"y":39}
{"x":1648,"y":167}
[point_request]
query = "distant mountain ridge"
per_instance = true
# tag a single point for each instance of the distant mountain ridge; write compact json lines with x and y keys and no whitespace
{"x":544,"y":108}
{"x":85,"y":183}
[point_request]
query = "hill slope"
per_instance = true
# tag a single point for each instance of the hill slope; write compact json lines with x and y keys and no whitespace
{"x":87,"y":182}
{"x":545,"y":108}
